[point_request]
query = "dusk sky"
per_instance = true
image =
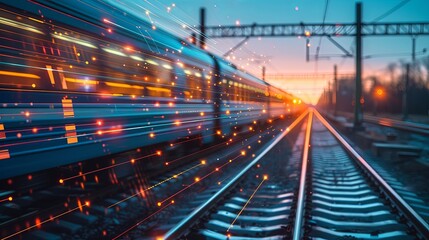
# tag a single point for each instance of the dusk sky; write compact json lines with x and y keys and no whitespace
{"x":287,"y":55}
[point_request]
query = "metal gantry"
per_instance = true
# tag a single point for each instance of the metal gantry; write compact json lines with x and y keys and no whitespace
{"x":317,"y":30}
{"x":358,"y":30}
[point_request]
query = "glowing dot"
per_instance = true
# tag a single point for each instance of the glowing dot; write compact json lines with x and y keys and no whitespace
{"x":218,"y":132}
{"x":265,"y":177}
{"x":166,"y":164}
{"x":152,"y":135}
{"x":133,"y":96}
{"x":201,"y":114}
{"x":10,"y":199}
{"x":159,"y":204}
{"x":61,"y":181}
{"x":218,"y":183}
{"x":87,"y":203}
{"x":197,"y":179}
{"x":99,"y":132}
{"x":153,"y":27}
{"x":243,"y":153}
{"x":216,"y":169}
{"x":133,"y":161}
{"x":177,"y":122}
{"x":35,"y":130}
{"x":99,"y":123}
{"x":296,"y":8}
{"x":27,"y":114}
{"x":237,"y":22}
{"x":170,"y":104}
{"x":250,"y":128}
{"x":93,"y":58}
{"x":227,"y":112}
{"x":33,"y":85}
{"x":264,"y":111}
{"x":172,"y":201}
{"x":159,"y":153}
{"x":109,"y":30}
{"x":203,"y":162}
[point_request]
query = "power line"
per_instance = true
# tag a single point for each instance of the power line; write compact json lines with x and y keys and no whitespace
{"x":323,"y":22}
{"x":392,"y":10}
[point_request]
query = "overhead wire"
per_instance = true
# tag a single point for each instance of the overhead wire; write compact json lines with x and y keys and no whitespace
{"x":392,"y":10}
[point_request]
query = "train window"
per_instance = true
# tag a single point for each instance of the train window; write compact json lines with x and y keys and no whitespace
{"x":194,"y":84}
{"x":208,"y":89}
{"x":158,"y":75}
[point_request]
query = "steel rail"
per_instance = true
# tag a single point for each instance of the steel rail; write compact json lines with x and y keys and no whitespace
{"x":419,"y":128}
{"x":180,"y":229}
{"x":302,"y":186}
{"x":418,"y":222}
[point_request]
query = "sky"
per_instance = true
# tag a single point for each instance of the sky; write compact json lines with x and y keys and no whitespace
{"x":286,"y":56}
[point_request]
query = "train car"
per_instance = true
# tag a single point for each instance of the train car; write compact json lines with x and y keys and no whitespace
{"x":82,"y":79}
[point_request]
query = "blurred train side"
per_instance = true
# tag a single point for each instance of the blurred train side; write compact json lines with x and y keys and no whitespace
{"x":77,"y":84}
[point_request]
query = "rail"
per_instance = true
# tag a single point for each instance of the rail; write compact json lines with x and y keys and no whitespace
{"x":179,"y":229}
{"x":418,"y":222}
{"x":301,"y":193}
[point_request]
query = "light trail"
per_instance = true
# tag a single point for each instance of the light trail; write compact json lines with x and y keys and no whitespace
{"x":157,"y":184}
{"x":140,"y":222}
{"x":197,"y":180}
{"x":62,"y":180}
{"x":247,"y":202}
{"x":7,"y":199}
{"x":45,"y":221}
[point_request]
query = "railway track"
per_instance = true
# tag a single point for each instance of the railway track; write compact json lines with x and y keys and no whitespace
{"x":322,"y":190}
{"x":113,"y":213}
{"x":306,"y":183}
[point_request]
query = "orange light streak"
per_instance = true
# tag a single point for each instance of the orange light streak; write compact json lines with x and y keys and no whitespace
{"x":7,"y":199}
{"x":62,"y":180}
{"x":140,"y":222}
{"x":247,"y":202}
{"x":199,"y":179}
{"x":155,"y":185}
{"x":42,"y":222}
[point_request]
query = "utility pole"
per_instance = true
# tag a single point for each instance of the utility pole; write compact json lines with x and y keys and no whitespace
{"x":194,"y":38}
{"x":358,"y":91}
{"x":263,"y":73}
{"x":202,"y":28}
{"x":307,"y":49}
{"x":405,"y":94}
{"x":329,"y":96}
{"x":335,"y":90}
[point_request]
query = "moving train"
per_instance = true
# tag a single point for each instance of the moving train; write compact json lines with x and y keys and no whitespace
{"x":84,"y":79}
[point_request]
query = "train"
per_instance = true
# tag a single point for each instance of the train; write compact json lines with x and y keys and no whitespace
{"x":85,"y":79}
